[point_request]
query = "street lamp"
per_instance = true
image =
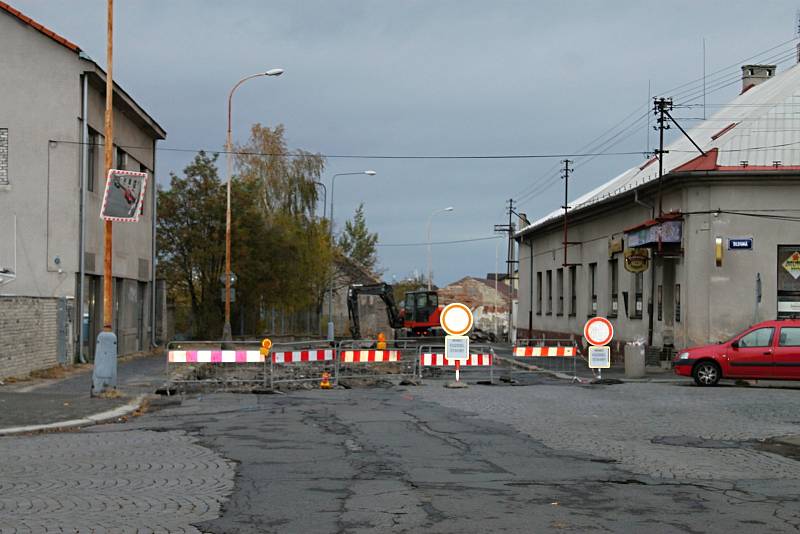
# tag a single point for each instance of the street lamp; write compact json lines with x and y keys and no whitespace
{"x":226,"y":330}
{"x":330,"y":287}
{"x":430,"y":220}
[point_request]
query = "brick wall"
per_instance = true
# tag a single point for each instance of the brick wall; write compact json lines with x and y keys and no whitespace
{"x":3,"y":156}
{"x":28,"y":335}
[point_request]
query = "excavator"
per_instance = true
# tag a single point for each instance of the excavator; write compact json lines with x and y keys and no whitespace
{"x":418,"y":317}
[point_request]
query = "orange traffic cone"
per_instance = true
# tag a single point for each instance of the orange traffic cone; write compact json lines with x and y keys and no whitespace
{"x":326,"y":381}
{"x":381,"y":345}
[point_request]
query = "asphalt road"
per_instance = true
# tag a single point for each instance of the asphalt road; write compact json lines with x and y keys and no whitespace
{"x":547,"y":457}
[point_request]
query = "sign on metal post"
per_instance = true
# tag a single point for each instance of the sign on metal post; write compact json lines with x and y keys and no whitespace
{"x":123,"y":198}
{"x":599,"y":331}
{"x":599,"y":357}
{"x":456,"y":319}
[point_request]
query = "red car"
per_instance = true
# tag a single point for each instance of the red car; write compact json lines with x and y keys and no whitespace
{"x":766,"y":351}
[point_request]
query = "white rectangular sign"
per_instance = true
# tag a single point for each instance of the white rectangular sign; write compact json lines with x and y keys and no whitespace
{"x":456,"y":348}
{"x":599,"y":357}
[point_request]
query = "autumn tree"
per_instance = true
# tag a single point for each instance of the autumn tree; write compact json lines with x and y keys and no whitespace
{"x":357,"y":243}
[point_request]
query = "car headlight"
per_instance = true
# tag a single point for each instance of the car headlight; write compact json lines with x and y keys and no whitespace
{"x":683,"y":356}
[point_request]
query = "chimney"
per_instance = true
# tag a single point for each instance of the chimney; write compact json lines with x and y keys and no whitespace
{"x":753,"y":75}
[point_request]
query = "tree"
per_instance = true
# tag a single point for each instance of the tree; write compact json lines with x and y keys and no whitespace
{"x":357,"y":243}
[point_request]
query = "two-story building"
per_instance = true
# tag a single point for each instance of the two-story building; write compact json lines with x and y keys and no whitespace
{"x":51,"y":189}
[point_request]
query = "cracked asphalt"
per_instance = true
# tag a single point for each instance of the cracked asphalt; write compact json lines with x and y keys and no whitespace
{"x":542,"y":458}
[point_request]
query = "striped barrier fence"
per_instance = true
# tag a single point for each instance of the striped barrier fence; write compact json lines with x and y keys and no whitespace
{"x":284,"y":355}
{"x":433,"y":356}
{"x":555,"y":355}
{"x":528,"y":352}
{"x":215,"y":356}
{"x":205,"y":363}
{"x":362,"y":359}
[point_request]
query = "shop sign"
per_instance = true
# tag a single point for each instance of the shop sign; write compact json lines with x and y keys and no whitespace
{"x":665,"y":232}
{"x":792,"y":265}
{"x":636,"y":260}
{"x":615,"y":246}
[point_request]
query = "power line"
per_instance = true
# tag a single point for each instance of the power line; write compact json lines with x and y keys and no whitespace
{"x":438,"y":242}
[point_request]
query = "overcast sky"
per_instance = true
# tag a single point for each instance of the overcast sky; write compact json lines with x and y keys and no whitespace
{"x":426,"y":78}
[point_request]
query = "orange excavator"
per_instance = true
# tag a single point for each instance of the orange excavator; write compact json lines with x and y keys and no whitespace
{"x":419,"y":315}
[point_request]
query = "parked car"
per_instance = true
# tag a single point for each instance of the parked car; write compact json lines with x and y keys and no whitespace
{"x":765,"y":351}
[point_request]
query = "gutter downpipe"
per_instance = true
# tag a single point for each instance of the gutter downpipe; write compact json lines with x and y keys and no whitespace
{"x":153,"y":290}
{"x":82,"y":210}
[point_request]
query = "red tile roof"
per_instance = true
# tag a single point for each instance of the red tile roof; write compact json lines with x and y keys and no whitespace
{"x":33,"y":24}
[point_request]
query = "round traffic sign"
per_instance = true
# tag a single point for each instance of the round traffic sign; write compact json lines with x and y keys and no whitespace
{"x":456,"y":319}
{"x":598,"y":331}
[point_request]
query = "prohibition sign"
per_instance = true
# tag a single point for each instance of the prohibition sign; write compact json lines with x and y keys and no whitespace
{"x":598,"y":331}
{"x":456,"y":319}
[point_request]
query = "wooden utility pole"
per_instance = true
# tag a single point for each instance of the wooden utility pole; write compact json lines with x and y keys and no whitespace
{"x":108,"y":294}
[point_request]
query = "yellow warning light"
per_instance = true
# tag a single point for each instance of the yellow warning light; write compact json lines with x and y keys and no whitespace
{"x":266,"y":344}
{"x":381,"y":341}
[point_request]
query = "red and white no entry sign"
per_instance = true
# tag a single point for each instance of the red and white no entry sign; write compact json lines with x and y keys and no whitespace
{"x":598,"y":331}
{"x":456,"y":319}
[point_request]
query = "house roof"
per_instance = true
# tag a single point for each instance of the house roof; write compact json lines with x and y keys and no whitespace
{"x":759,"y":130}
{"x":97,"y":72}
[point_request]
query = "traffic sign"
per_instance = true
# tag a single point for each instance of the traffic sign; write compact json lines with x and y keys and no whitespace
{"x":456,"y":348}
{"x":124,"y":196}
{"x":266,"y":344}
{"x":598,"y":331}
{"x":456,"y":319}
{"x":599,"y":357}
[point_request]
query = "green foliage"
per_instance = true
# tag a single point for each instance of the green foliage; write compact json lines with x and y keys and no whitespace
{"x":280,"y":252}
{"x":357,"y":243}
{"x":412,"y":283}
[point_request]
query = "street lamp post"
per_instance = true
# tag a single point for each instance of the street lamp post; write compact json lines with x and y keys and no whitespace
{"x":430,"y":220}
{"x":226,"y":330}
{"x":330,"y":286}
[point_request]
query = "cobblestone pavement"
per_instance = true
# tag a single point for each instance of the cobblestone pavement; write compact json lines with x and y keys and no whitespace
{"x":661,"y":430}
{"x":109,"y":482}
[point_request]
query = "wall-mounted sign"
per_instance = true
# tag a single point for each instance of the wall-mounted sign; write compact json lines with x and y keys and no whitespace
{"x":615,"y":245}
{"x":124,"y":196}
{"x":665,"y":232}
{"x":740,"y":243}
{"x":636,"y":260}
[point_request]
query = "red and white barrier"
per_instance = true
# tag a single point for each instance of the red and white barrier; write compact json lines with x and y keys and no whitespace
{"x":543,"y":351}
{"x":215,"y":356}
{"x":438,"y":360}
{"x":297,"y":356}
{"x":369,"y":356}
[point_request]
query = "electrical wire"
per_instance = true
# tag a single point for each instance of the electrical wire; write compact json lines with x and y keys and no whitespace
{"x":439,"y":242}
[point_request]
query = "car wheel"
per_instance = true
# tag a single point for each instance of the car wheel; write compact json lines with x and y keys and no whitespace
{"x":706,"y":374}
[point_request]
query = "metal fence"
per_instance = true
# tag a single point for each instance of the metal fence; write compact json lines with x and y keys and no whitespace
{"x":369,"y":359}
{"x":554,"y":355}
{"x":301,"y":362}
{"x":430,"y":359}
{"x":208,"y":365}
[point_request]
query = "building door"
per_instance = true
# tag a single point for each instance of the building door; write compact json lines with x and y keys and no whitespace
{"x":754,"y":355}
{"x":787,"y":353}
{"x":667,"y":302}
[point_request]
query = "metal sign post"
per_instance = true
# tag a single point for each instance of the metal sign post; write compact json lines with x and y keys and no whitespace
{"x":599,"y":331}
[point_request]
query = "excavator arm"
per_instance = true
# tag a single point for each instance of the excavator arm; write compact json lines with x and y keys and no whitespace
{"x":382,"y":290}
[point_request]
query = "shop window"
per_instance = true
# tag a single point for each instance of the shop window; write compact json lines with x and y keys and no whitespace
{"x":638,"y":292}
{"x":613,"y":305}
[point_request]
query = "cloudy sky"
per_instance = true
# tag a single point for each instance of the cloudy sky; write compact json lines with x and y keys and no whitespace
{"x":430,"y":78}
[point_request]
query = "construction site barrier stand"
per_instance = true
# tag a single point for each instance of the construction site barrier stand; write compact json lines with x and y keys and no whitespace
{"x":357,"y":355}
{"x":555,"y":355}
{"x":433,"y":356}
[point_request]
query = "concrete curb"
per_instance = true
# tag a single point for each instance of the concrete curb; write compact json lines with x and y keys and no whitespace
{"x":94,"y":419}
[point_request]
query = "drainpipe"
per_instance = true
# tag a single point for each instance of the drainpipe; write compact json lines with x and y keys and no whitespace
{"x":82,"y":210}
{"x":154,"y":214}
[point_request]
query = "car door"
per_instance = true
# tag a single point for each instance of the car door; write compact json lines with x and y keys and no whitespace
{"x":787,"y":353}
{"x":751,"y":356}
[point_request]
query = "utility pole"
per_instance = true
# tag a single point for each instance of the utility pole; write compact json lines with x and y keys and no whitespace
{"x":661,"y":108}
{"x":510,"y":261}
{"x":565,"y":176}
{"x":104,"y":374}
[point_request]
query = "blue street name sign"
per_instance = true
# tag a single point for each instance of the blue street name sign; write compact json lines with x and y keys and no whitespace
{"x":740,"y":243}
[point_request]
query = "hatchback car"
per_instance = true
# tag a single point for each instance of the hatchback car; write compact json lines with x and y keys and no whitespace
{"x":765,"y":351}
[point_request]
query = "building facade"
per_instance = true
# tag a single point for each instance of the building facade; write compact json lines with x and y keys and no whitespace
{"x":52,"y":182}
{"x":692,"y":258}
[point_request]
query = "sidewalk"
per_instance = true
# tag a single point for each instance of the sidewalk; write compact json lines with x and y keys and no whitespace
{"x":46,"y":401}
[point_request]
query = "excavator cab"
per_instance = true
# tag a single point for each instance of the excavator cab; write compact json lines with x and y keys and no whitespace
{"x":419,"y":306}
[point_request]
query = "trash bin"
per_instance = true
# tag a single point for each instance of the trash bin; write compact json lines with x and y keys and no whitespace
{"x":634,"y":360}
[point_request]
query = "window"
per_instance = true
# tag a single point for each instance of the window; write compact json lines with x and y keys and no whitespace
{"x":613,"y":273}
{"x":757,"y":338}
{"x":549,"y":292}
{"x":91,"y":159}
{"x":573,"y":290}
{"x":3,"y":156}
{"x":790,"y":337}
{"x":560,"y":290}
{"x":660,"y":303}
{"x":592,"y":289}
{"x":638,"y":291}
{"x":122,"y":159}
{"x":677,"y":303}
{"x":539,"y":293}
